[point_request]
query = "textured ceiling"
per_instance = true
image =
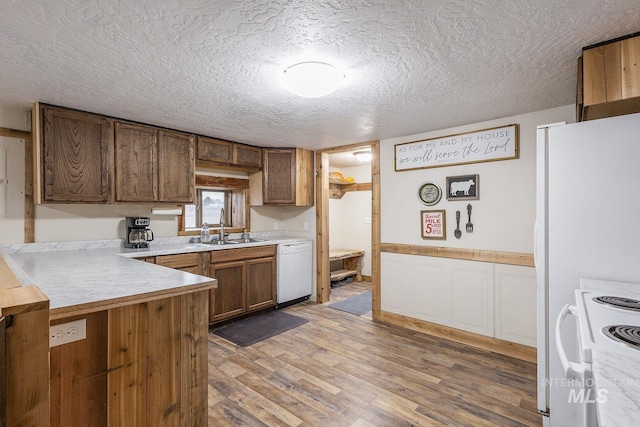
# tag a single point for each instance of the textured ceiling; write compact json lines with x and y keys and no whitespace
{"x":212,"y":67}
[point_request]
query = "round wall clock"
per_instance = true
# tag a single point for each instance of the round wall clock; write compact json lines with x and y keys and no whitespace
{"x":429,"y":193}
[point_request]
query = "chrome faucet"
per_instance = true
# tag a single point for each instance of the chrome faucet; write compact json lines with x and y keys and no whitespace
{"x":222,"y":224}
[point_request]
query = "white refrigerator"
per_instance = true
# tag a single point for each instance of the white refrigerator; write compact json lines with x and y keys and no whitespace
{"x":587,"y":225}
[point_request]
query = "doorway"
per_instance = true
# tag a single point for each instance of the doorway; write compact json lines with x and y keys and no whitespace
{"x":329,"y":205}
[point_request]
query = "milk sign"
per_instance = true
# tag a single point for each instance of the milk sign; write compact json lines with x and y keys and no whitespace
{"x":433,"y":224}
{"x":487,"y":145}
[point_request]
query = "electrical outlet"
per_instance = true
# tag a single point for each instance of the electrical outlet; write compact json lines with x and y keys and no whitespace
{"x":65,"y":333}
{"x":275,"y":225}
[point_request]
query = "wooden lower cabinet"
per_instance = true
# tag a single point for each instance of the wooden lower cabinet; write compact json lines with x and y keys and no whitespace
{"x":195,"y":263}
{"x":228,"y":299}
{"x":143,"y":364}
{"x":261,"y":283}
{"x":246,"y":281}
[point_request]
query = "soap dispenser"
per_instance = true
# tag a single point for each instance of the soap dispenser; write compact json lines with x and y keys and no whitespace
{"x":205,"y":236}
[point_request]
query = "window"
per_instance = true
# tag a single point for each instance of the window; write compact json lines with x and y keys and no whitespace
{"x":209,"y":204}
{"x":212,"y":194}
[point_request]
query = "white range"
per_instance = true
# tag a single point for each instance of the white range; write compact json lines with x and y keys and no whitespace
{"x":608,"y":365}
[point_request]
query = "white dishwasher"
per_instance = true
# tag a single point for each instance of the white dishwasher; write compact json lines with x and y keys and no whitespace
{"x":295,"y":272}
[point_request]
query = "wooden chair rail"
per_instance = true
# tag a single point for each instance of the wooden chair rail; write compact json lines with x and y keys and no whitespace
{"x":511,"y":258}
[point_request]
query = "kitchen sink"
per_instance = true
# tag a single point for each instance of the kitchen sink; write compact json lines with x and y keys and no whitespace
{"x":246,"y":240}
{"x":218,"y":242}
{"x":233,"y":241}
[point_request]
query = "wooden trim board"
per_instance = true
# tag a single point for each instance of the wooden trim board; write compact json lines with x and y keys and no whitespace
{"x":323,"y":281}
{"x":495,"y":345}
{"x":375,"y":231}
{"x":7,"y":278}
{"x":13,"y":133}
{"x":511,"y":258}
{"x":78,"y":310}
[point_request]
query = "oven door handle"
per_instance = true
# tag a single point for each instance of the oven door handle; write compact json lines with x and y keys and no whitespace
{"x":571,"y":369}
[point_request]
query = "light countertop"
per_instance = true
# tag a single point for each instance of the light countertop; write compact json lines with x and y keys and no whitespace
{"x":616,"y":376}
{"x":81,"y":277}
{"x":617,"y":386}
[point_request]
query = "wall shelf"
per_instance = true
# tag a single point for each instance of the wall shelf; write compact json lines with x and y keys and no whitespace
{"x":337,"y":188}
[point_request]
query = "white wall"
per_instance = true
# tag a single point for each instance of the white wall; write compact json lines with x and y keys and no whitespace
{"x":504,"y":215}
{"x":56,"y":223}
{"x":348,"y":227}
{"x":480,"y":297}
{"x":292,"y":220}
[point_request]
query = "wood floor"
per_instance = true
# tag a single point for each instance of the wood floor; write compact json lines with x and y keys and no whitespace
{"x":344,"y":370}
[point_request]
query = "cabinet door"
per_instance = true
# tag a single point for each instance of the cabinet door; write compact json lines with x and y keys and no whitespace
{"x":610,"y":75}
{"x":179,"y":261}
{"x":630,"y":57}
{"x":602,"y":74}
{"x":246,"y":155}
{"x":279,"y":177}
{"x":176,"y":168}
{"x":228,"y":299}
{"x":261,"y":283}
{"x":136,"y":163}
{"x":214,"y":150}
{"x":77,"y":156}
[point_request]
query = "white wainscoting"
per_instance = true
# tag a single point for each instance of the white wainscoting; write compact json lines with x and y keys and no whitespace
{"x":471,"y":299}
{"x":489,"y":299}
{"x":426,"y":293}
{"x":515,"y":302}
{"x":393,"y":294}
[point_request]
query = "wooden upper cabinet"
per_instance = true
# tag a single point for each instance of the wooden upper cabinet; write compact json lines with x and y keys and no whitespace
{"x":214,"y":150}
{"x":287,"y":176}
{"x":136,"y":163}
{"x":247,"y":155}
{"x":610,"y":79}
{"x":75,"y":163}
{"x":153,"y":165}
{"x":88,"y":158}
{"x":218,"y":152}
{"x":176,"y":167}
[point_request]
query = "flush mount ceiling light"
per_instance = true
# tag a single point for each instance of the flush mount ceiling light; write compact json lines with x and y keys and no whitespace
{"x":312,"y":79}
{"x":363,"y":156}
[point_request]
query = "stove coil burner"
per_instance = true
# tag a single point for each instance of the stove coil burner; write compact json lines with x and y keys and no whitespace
{"x":628,"y":335}
{"x":619,"y":302}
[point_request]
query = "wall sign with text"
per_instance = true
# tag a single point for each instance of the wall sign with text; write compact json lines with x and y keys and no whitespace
{"x":487,"y":145}
{"x":433,"y":224}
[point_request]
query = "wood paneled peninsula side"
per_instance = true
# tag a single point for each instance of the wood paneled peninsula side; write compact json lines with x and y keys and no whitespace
{"x":144,"y":358}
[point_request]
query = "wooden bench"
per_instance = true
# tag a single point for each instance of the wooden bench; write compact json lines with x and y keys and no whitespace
{"x":351,"y":264}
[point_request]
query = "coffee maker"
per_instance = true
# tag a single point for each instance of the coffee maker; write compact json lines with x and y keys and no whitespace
{"x":138,"y":235}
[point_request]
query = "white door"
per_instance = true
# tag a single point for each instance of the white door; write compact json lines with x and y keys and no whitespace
{"x":11,"y":190}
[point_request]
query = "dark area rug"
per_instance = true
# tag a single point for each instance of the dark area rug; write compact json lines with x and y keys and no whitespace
{"x":358,"y":305}
{"x":254,"y":329}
